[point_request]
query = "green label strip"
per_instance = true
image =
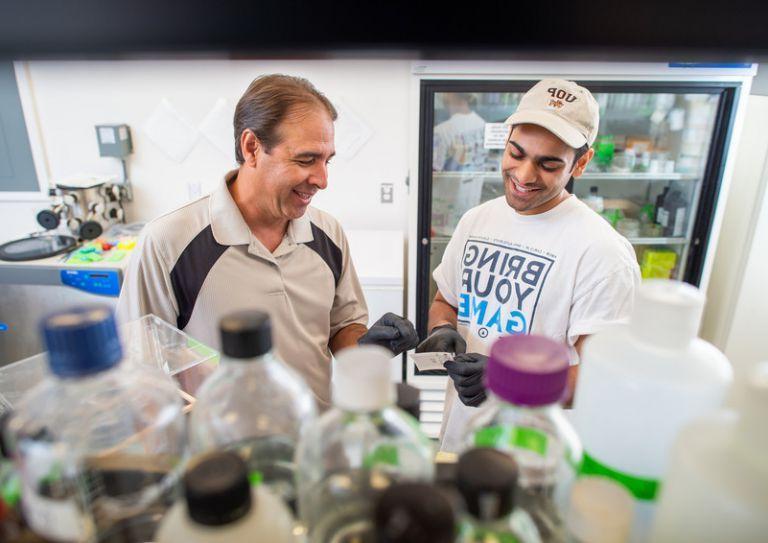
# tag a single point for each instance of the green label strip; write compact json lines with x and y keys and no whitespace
{"x":383,"y":454}
{"x":11,"y":491}
{"x":642,"y":489}
{"x":474,"y":534}
{"x":519,"y":437}
{"x":255,"y":477}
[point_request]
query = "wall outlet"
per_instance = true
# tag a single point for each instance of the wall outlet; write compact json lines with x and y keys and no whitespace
{"x":387,"y":193}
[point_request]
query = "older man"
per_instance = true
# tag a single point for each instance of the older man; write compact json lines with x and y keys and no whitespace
{"x":255,"y":242}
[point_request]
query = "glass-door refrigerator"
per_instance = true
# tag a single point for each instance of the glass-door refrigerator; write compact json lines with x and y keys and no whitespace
{"x":655,"y":175}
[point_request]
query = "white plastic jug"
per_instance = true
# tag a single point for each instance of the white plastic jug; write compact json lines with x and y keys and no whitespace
{"x":717,"y":485}
{"x":639,"y":384}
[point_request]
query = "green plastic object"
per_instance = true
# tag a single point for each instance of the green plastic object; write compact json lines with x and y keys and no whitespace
{"x":605,"y":147}
{"x":613,"y":216}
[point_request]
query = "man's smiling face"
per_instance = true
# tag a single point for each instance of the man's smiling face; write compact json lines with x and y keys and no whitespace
{"x":536,"y":167}
{"x":296,"y":168}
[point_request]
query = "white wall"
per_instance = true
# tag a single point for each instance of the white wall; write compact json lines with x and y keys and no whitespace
{"x":72,"y":96}
{"x":726,"y":292}
{"x":746,"y":343}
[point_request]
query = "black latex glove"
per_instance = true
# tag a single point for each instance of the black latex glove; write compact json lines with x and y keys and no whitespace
{"x":391,"y":332}
{"x":467,"y":371}
{"x":443,"y":339}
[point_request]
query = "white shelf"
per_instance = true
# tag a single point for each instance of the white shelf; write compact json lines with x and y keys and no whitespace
{"x":658,"y":241}
{"x":637,"y":176}
{"x":589,"y":176}
{"x":633,"y":241}
{"x":467,"y":174}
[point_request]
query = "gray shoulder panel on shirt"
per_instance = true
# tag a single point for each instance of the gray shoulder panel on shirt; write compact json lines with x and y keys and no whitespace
{"x":190,"y":271}
{"x":331,"y":254}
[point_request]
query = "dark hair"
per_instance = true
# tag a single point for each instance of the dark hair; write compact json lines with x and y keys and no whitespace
{"x":268,"y":101}
{"x":580,"y":152}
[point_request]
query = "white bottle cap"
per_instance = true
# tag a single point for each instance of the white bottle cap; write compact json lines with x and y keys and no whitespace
{"x":362,"y":381}
{"x":601,"y":511}
{"x":667,"y":314}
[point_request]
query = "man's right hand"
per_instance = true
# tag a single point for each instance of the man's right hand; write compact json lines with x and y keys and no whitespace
{"x":443,"y":339}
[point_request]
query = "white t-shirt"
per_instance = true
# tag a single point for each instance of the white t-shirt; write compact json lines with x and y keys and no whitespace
{"x":563,"y":273}
{"x":459,"y":143}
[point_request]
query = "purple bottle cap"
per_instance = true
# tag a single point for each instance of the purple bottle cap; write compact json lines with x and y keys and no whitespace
{"x":527,"y":370}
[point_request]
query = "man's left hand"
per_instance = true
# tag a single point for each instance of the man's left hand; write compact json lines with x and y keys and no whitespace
{"x":391,"y":332}
{"x":467,"y":371}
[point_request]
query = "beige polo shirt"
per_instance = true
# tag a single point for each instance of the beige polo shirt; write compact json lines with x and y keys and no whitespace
{"x":200,"y":262}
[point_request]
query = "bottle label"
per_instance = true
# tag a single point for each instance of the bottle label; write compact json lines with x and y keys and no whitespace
{"x":663,"y":217}
{"x":255,"y":477}
{"x":641,"y":488}
{"x":383,"y":454}
{"x":519,"y":437}
{"x":59,"y":520}
{"x":679,"y":220}
{"x":474,"y":534}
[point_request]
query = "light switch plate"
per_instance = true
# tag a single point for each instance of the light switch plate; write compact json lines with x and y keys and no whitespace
{"x":387,"y":193}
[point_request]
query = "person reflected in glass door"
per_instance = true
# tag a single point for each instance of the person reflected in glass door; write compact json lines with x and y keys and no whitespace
{"x":458,"y":141}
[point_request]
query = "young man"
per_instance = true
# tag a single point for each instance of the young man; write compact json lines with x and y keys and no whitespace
{"x":256,"y":243}
{"x":535,"y":261}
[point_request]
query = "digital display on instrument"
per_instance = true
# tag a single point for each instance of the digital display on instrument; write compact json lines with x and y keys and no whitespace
{"x":105,"y":283}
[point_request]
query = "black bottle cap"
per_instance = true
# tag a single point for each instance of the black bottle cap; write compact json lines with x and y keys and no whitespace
{"x":409,"y":399}
{"x":90,"y":230}
{"x":593,"y":190}
{"x":48,"y":219}
{"x":414,"y":513}
{"x":246,"y":334}
{"x":217,"y":489}
{"x":5,"y":450}
{"x":486,"y":479}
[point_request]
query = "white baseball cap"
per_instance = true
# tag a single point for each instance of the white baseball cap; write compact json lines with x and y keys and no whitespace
{"x":564,"y":108}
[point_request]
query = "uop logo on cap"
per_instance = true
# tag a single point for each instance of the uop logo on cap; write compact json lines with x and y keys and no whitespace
{"x":558,"y":95}
{"x":561,"y":94}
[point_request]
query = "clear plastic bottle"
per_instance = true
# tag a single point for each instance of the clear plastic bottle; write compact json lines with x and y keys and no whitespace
{"x":716,"y":488}
{"x":486,"y":479}
{"x":99,"y":444}
{"x":600,"y":511}
{"x":639,"y":384}
{"x":220,"y":506}
{"x":357,"y":449}
{"x":253,"y":404}
{"x":415,"y":513}
{"x":595,"y":201}
{"x":527,"y":377}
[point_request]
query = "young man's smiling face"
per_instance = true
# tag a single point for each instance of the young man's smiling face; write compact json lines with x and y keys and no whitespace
{"x":536,"y":167}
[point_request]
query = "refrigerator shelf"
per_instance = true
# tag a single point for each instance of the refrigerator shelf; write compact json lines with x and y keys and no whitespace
{"x":442,"y":239}
{"x":637,"y":176}
{"x":658,"y":241}
{"x":495,"y":177}
{"x":466,"y":174}
{"x":589,"y":176}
